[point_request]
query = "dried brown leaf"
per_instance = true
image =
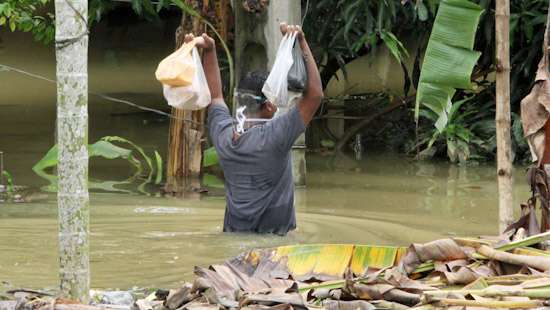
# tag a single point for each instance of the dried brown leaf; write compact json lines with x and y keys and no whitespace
{"x":348,"y":305}
{"x":180,"y":296}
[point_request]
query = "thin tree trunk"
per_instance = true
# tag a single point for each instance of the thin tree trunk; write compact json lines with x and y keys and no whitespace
{"x":72,"y":132}
{"x":504,"y":149}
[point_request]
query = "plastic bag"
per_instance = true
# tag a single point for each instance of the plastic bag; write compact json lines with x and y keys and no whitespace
{"x":275,"y":88}
{"x":193,"y":97}
{"x":297,"y":76}
{"x":178,"y":68}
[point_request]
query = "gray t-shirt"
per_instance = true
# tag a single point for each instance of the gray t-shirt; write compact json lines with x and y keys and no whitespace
{"x":258,"y":171}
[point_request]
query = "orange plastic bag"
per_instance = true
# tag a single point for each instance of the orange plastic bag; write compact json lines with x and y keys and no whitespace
{"x":178,"y":69}
{"x":193,"y":97}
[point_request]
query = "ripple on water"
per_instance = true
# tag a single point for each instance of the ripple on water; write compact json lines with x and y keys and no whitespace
{"x":164,"y":210}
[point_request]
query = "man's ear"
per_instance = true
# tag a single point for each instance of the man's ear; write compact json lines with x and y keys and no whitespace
{"x":271,"y":108}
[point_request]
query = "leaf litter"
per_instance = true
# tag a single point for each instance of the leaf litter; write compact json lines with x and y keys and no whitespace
{"x":466,"y":273}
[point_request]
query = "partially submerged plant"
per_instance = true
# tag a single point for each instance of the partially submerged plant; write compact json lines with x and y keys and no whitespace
{"x":7,"y":189}
{"x":106,"y":148}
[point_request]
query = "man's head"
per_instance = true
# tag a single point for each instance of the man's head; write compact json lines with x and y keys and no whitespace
{"x":249,"y":94}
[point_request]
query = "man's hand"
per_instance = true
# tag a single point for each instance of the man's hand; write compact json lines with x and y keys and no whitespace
{"x":205,"y":41}
{"x":209,"y":63}
{"x":292,"y":28}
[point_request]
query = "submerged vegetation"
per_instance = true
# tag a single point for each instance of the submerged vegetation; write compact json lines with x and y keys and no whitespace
{"x":7,"y":189}
{"x":147,"y":168}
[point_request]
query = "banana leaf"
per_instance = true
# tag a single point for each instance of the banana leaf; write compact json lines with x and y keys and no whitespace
{"x":449,"y":58}
{"x":210,"y":158}
{"x":101,"y":148}
{"x":329,"y":261}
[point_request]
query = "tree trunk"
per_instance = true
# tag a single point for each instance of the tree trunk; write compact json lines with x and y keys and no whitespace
{"x":504,"y":150}
{"x":72,"y":132}
{"x":186,"y":139}
{"x":185,"y":142}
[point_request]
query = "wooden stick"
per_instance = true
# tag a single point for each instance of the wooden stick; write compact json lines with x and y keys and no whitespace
{"x":493,"y":292}
{"x":87,"y":307}
{"x":492,"y":304}
{"x":503,"y":118}
{"x":537,"y":262}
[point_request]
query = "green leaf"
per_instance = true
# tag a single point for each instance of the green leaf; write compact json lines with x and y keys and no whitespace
{"x":7,"y":11}
{"x":2,"y":20}
{"x":456,"y":106}
{"x":149,"y":8}
{"x":449,"y":58}
{"x":394,"y":45}
{"x":380,"y":17}
{"x":187,"y":8}
{"x":422,"y":12}
{"x":137,"y":7}
{"x":12,"y":25}
{"x":210,"y":157}
{"x":49,"y":160}
{"x":212,"y":181}
{"x":160,"y":5}
{"x":158,"y":159}
{"x":140,"y":150}
{"x":328,"y":143}
{"x":9,"y":179}
{"x":108,"y":150}
{"x":27,"y":27}
{"x":100,"y":148}
{"x":350,"y":14}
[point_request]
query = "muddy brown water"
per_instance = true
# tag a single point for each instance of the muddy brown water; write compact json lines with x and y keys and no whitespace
{"x":152,"y":241}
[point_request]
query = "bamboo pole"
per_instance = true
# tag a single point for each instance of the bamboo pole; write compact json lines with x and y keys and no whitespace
{"x":527,"y":304}
{"x":71,"y":37}
{"x":492,"y":292}
{"x":538,"y":262}
{"x":504,"y":149}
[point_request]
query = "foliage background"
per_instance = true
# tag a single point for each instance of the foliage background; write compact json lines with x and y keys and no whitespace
{"x":356,"y":28}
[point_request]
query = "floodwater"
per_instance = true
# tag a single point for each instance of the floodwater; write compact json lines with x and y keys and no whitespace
{"x":152,"y":241}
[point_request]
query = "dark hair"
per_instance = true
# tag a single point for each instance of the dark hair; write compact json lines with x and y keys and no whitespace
{"x":253,"y":82}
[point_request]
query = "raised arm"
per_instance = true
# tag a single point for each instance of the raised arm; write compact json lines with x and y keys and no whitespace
{"x":313,"y":93}
{"x":210,"y":64}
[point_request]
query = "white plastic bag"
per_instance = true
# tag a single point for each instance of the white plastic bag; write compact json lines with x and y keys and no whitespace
{"x":275,"y":88}
{"x":193,"y":97}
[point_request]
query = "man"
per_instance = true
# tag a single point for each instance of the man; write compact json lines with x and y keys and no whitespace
{"x":257,"y":162}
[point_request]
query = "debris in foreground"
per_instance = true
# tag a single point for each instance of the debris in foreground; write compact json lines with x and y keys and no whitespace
{"x":466,"y":273}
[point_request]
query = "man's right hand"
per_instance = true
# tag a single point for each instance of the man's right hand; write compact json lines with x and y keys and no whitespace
{"x":205,"y":41}
{"x":292,"y":28}
{"x":209,"y":63}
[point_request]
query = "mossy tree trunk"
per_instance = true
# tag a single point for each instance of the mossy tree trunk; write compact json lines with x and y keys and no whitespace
{"x":503,"y":118}
{"x":72,"y":140}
